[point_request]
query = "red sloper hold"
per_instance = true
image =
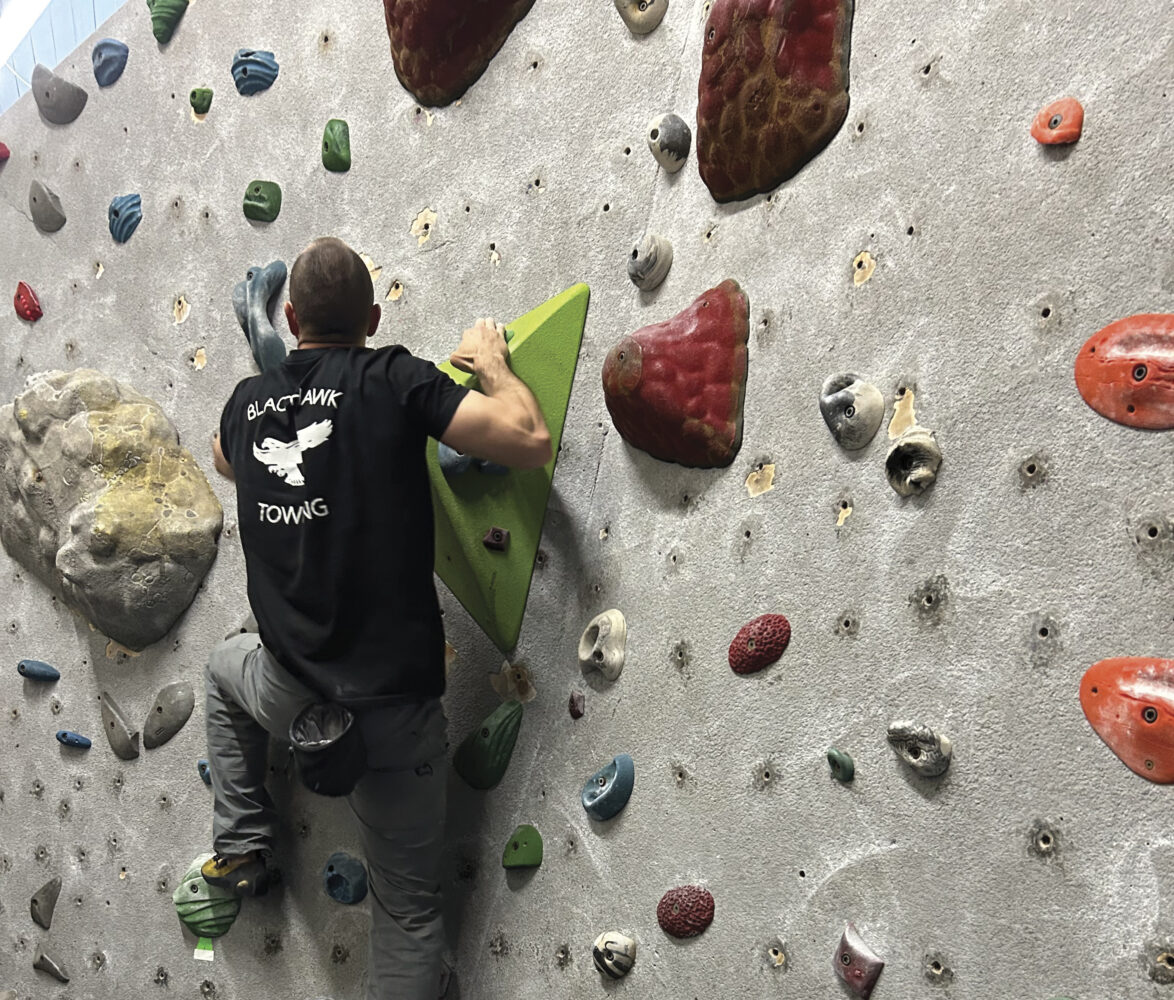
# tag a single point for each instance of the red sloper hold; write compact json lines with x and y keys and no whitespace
{"x":773,"y":90}
{"x":1129,"y":702}
{"x":28,"y":306}
{"x":685,"y":912}
{"x":1060,"y":123}
{"x":759,"y":643}
{"x":1126,"y":371}
{"x":441,"y":47}
{"x":5,"y":152}
{"x":675,"y":389}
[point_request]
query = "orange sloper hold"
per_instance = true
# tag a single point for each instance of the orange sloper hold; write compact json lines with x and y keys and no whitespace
{"x":1060,"y":123}
{"x":1126,"y":371}
{"x":1129,"y":702}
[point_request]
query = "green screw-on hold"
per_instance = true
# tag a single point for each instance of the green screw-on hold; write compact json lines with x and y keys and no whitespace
{"x":336,"y":146}
{"x":206,"y":910}
{"x":165,"y":15}
{"x":263,"y":201}
{"x":524,"y":848}
{"x":484,"y":754}
{"x":843,"y":769}
{"x":201,"y":98}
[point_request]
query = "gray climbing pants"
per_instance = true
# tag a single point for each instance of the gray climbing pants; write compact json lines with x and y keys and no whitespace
{"x":399,"y":804}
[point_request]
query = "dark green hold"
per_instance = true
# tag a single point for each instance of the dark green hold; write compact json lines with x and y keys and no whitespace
{"x":336,"y":146}
{"x":263,"y":201}
{"x":843,"y":769}
{"x":165,"y":15}
{"x":201,"y":98}
{"x":524,"y":849}
{"x":482,"y":758}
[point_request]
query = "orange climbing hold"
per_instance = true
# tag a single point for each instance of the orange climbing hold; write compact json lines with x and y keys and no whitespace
{"x":1060,"y":123}
{"x":1126,"y":371}
{"x":1129,"y":702}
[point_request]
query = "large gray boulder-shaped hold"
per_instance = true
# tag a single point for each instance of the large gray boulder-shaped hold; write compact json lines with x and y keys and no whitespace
{"x":58,"y":100}
{"x":251,"y":300}
{"x":45,"y":208}
{"x":101,"y":502}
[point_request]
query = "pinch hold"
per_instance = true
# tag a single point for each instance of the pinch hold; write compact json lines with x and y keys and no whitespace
{"x":602,"y":644}
{"x":614,"y":954}
{"x":37,"y":670}
{"x":69,"y":738}
{"x":109,"y":60}
{"x":26,"y":303}
{"x":921,"y":748}
{"x":670,"y":140}
{"x":124,"y":740}
{"x":45,"y":208}
{"x":649,"y":262}
{"x":852,"y":409}
{"x":58,"y":100}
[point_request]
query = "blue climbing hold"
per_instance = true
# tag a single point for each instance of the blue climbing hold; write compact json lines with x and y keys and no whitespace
{"x":72,"y":739}
{"x":487,"y":468}
{"x":345,"y":878}
{"x":253,"y":71}
{"x":251,"y":301}
{"x":452,"y":462}
{"x":37,"y":670}
{"x":125,"y":214}
{"x":205,"y":770}
{"x":109,"y":59}
{"x":607,"y":791}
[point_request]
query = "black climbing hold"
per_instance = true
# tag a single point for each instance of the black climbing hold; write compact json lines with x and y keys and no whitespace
{"x":37,"y":670}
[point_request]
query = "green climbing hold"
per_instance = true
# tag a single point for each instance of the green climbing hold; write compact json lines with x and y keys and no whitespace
{"x":165,"y":15}
{"x":336,"y":146}
{"x":524,"y":849}
{"x":201,"y":98}
{"x":843,"y":768}
{"x":206,"y":910}
{"x":493,"y":586}
{"x":263,"y":201}
{"x":483,"y":756}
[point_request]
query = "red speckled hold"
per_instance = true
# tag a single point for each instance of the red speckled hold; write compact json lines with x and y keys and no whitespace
{"x":675,"y":389}
{"x":759,"y":643}
{"x":1060,"y":123}
{"x":27,"y":304}
{"x":685,"y":912}
{"x":1129,"y":701}
{"x":441,"y":47}
{"x":4,"y":152}
{"x":1126,"y":371}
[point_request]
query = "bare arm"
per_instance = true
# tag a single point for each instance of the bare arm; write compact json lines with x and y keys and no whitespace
{"x":219,"y":461}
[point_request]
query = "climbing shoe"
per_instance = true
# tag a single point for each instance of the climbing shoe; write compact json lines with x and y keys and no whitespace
{"x":244,"y":874}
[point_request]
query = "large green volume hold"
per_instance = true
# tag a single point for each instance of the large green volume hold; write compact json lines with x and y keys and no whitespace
{"x":493,"y":586}
{"x":336,"y":146}
{"x":484,"y":754}
{"x":165,"y":15}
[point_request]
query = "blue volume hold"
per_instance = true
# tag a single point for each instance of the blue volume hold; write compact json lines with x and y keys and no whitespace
{"x":345,"y":878}
{"x":37,"y":670}
{"x":607,"y":791}
{"x":125,"y":214}
{"x":451,"y":462}
{"x":253,"y":71}
{"x":205,"y":770}
{"x":72,"y":739}
{"x":109,"y":59}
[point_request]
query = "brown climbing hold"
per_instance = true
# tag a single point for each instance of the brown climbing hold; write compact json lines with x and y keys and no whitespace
{"x":497,"y":539}
{"x":685,"y":912}
{"x":576,"y":704}
{"x":759,"y":643}
{"x":1060,"y":123}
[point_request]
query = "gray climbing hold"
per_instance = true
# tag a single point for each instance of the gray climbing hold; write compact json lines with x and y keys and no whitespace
{"x":37,"y":670}
{"x":344,"y":878}
{"x":913,"y":461}
{"x":614,"y":954}
{"x":642,"y":16}
{"x":46,"y":963}
{"x":921,"y":748}
{"x":124,"y":741}
{"x":452,"y":462}
{"x":649,"y":262}
{"x":852,"y":409}
{"x":251,"y":301}
{"x":670,"y":139}
{"x":173,"y":707}
{"x":45,"y":208}
{"x":44,"y":901}
{"x":109,"y":59}
{"x":124,"y":215}
{"x":58,"y":100}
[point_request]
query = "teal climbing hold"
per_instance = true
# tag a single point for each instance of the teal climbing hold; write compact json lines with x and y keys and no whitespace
{"x":336,"y":146}
{"x":204,"y":769}
{"x":253,"y":71}
{"x":344,"y":878}
{"x":607,"y":791}
{"x":482,"y":758}
{"x":124,"y":215}
{"x":842,"y":765}
{"x":37,"y":670}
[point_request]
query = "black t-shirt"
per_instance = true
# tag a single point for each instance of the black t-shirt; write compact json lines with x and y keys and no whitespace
{"x":335,"y":513}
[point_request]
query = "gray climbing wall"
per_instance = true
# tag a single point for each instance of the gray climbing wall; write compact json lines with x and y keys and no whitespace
{"x":994,"y":260}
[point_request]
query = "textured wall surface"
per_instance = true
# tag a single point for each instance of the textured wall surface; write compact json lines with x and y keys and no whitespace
{"x":995,"y":260}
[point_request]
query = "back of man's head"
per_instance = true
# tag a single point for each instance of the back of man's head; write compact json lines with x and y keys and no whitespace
{"x":331,"y":292}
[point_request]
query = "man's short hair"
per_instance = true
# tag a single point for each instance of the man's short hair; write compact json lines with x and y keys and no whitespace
{"x":331,"y":291}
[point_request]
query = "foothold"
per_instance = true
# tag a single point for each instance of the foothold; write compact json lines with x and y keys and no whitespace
{"x":642,"y":16}
{"x":614,"y":954}
{"x":483,"y":756}
{"x":69,"y":738}
{"x":921,"y":748}
{"x":931,"y":598}
{"x":863,"y":265}
{"x":58,"y":100}
{"x":336,"y":146}
{"x":124,"y":741}
{"x":206,"y":910}
{"x":1129,"y":702}
{"x":675,"y":389}
{"x":44,"y":901}
{"x":165,"y":15}
{"x":37,"y":670}
{"x":577,"y":704}
{"x":1033,"y":471}
{"x":253,"y":71}
{"x":912,"y":463}
{"x":172,"y":709}
{"x":125,"y":214}
{"x":452,"y":462}
{"x":26,"y":303}
{"x":759,"y":643}
{"x":5,"y":152}
{"x":685,"y":912}
{"x":669,"y":140}
{"x":262,"y":201}
{"x":602,"y":644}
{"x":842,"y":765}
{"x":513,"y":681}
{"x":1043,"y":840}
{"x":523,"y":849}
{"x":607,"y":791}
{"x":45,"y":208}
{"x":46,"y":963}
{"x":761,"y":479}
{"x":440,"y":48}
{"x":649,"y":262}
{"x":204,"y":769}
{"x":857,"y":964}
{"x":252,"y":301}
{"x":1060,"y":123}
{"x":345,"y":878}
{"x":497,"y":539}
{"x":852,"y":409}
{"x":1124,"y":371}
{"x":109,"y":58}
{"x":201,"y":100}
{"x":939,"y":973}
{"x":763,"y":113}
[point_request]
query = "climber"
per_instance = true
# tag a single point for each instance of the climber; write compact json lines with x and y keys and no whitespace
{"x":327,"y":450}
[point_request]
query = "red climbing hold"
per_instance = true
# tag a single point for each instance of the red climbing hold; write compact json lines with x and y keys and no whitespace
{"x":675,"y":389}
{"x":1126,"y":371}
{"x":27,"y":304}
{"x":1060,"y":123}
{"x":5,"y":152}
{"x":759,"y":643}
{"x":685,"y":912}
{"x":1129,"y":701}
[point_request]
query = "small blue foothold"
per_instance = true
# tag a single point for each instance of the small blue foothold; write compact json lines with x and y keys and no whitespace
{"x":451,"y":462}
{"x":205,"y":770}
{"x":607,"y":791}
{"x":345,"y":878}
{"x":36,"y":670}
{"x":109,"y":59}
{"x":125,"y":214}
{"x":253,"y":70}
{"x":488,"y":468}
{"x":72,"y":739}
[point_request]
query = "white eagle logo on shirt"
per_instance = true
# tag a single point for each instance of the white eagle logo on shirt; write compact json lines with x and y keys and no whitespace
{"x":284,"y":458}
